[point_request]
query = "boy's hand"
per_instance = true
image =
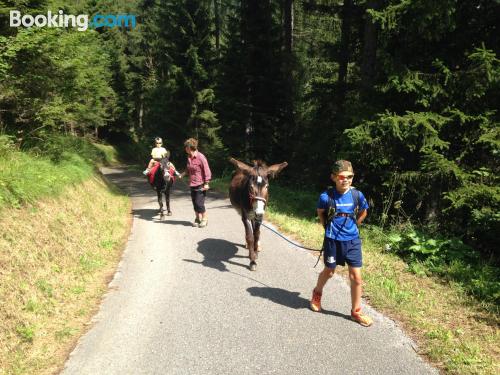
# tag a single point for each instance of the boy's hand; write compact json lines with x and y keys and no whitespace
{"x":205,"y":187}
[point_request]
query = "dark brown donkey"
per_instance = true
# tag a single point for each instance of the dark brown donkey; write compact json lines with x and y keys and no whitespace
{"x":248,"y":194}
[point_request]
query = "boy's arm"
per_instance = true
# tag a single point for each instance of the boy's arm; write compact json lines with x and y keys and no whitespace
{"x":321,"y":215}
{"x":361,"y":216}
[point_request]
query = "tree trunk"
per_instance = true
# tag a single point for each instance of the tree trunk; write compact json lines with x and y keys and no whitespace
{"x":141,"y":116}
{"x":217,"y":25}
{"x":369,"y":48}
{"x":344,"y":54}
{"x":288,"y":20}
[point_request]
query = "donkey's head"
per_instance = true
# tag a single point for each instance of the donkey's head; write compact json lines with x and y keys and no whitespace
{"x":257,"y":182}
{"x":165,"y":169}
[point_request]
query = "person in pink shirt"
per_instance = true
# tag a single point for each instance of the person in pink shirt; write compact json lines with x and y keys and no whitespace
{"x":199,"y":178}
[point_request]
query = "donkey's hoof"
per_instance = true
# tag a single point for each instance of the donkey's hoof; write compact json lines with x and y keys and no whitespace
{"x":253,"y":266}
{"x":169,"y":213}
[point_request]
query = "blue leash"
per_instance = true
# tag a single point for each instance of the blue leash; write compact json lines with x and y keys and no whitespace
{"x":295,"y":244}
{"x":286,"y":239}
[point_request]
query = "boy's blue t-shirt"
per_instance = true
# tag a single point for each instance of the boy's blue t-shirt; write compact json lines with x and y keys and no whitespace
{"x":342,"y":228}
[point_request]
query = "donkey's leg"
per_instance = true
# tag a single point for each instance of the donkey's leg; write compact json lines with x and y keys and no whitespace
{"x":256,"y":236}
{"x":160,"y":200}
{"x":167,"y":197}
{"x":250,"y":242}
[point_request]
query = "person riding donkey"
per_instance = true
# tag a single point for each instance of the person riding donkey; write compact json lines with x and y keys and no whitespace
{"x":341,"y":209}
{"x":157,"y":153}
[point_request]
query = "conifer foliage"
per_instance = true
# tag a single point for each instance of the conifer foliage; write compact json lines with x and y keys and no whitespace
{"x":408,"y":90}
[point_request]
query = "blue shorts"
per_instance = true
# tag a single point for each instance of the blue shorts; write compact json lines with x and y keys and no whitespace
{"x":338,"y":253}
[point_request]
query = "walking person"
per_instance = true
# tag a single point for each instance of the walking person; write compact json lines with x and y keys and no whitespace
{"x":199,"y":179}
{"x":341,"y":210}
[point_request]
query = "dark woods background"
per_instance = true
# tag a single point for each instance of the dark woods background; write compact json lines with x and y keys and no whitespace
{"x":407,"y":90}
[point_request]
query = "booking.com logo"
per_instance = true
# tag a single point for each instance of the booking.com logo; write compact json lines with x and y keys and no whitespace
{"x":80,"y":21}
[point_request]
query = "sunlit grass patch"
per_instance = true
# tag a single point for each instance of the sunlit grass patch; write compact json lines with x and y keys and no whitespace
{"x":28,"y":175}
{"x":56,"y":256}
{"x":221,"y":184}
{"x":452,"y":328}
{"x":110,"y":153}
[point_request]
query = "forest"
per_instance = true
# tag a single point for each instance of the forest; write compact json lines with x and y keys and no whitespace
{"x":408,"y":90}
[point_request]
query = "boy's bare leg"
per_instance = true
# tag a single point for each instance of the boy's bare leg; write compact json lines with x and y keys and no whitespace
{"x":323,"y":277}
{"x":151,"y":164}
{"x":356,"y":289}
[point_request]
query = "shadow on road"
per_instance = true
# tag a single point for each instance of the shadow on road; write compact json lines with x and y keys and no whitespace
{"x":130,"y":183}
{"x":146,"y":213}
{"x":153,"y":214}
{"x":184,"y":223}
{"x":288,"y":299}
{"x":223,"y":206}
{"x":217,"y":253}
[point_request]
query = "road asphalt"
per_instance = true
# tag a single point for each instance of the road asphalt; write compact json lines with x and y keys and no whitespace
{"x":183,"y":301}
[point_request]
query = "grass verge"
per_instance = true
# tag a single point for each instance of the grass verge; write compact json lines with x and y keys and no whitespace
{"x":456,"y":332}
{"x":61,"y":234}
{"x":28,"y":175}
{"x":56,"y":256}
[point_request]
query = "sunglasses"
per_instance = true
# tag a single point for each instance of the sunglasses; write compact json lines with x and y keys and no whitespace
{"x":342,"y":177}
{"x":158,"y":143}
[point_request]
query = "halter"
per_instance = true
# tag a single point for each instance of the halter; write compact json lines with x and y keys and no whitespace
{"x":165,"y":171}
{"x":256,"y":198}
{"x":253,"y":197}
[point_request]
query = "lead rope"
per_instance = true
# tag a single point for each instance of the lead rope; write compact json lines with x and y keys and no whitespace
{"x":293,"y":243}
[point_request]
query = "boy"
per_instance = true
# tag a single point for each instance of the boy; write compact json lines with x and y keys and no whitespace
{"x":336,"y":211}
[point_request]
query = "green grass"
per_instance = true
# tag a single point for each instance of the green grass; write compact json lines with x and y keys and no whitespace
{"x":62,"y":228}
{"x":55,"y":272}
{"x":110,"y":153}
{"x":28,"y":175}
{"x":26,"y":332}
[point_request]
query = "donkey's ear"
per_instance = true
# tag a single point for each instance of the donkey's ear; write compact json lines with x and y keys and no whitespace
{"x":274,"y":169}
{"x":240,"y":165}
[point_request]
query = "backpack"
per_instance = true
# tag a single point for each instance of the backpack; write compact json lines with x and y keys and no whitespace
{"x":332,"y":206}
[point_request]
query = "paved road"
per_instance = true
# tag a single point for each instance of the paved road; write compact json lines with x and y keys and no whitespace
{"x":183,"y":301}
